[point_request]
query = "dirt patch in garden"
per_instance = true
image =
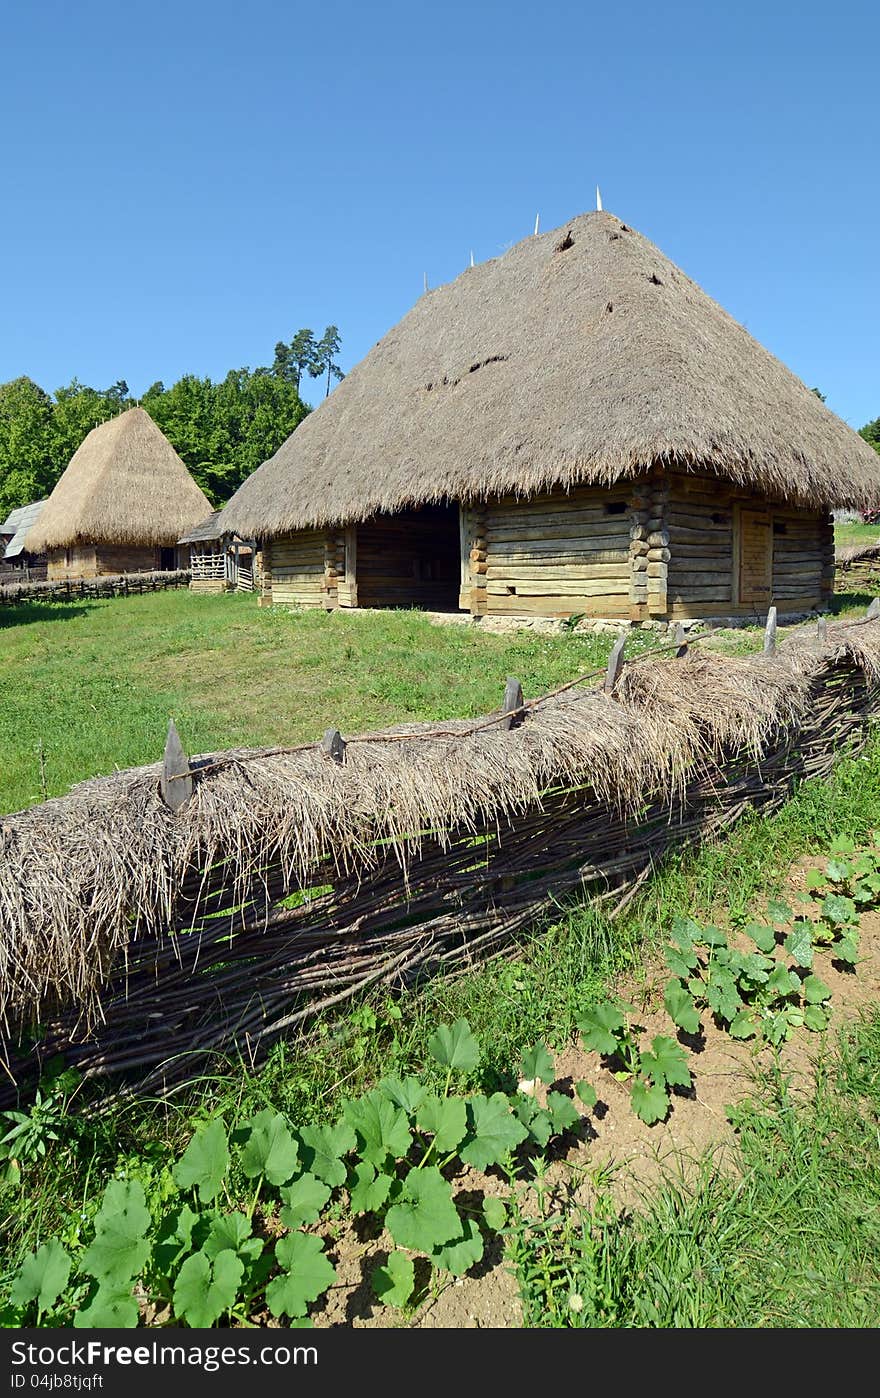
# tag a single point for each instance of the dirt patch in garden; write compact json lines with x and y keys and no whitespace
{"x":611,"y":1143}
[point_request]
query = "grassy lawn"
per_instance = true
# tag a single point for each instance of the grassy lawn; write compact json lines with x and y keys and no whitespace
{"x":90,"y":685}
{"x":856,"y":533}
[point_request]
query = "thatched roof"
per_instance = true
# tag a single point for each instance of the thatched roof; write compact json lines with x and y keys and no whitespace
{"x":125,"y":485}
{"x":209,"y":529}
{"x":16,"y":525}
{"x":581,"y":355}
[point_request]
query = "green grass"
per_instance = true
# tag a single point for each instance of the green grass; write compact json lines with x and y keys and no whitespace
{"x":855,"y":533}
{"x":787,"y":1234}
{"x":89,"y":686}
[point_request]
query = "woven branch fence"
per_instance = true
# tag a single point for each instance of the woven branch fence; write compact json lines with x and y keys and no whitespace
{"x":155,"y":918}
{"x":67,"y":589}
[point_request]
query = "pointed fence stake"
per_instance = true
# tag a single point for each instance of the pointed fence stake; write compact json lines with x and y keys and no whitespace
{"x":333,"y":744}
{"x":513,"y":701}
{"x":176,"y":783}
{"x":822,"y":629}
{"x":770,"y":634}
{"x":874,"y":610}
{"x":615,"y":665}
{"x":678,"y":639}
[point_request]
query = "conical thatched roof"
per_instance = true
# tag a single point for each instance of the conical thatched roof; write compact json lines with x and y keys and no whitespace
{"x":125,"y":485}
{"x":582,"y":355}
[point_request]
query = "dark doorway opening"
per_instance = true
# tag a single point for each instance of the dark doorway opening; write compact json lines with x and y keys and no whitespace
{"x":410,"y":559}
{"x":167,"y":560}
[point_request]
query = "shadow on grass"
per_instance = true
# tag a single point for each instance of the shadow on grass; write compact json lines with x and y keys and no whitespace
{"x":21,"y":613}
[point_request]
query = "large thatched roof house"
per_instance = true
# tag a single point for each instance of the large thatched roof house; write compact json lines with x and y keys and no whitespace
{"x":121,"y":505}
{"x":574,"y":427}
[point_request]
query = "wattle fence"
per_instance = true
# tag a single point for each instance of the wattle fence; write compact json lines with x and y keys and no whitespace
{"x":69,"y":589}
{"x":154,"y":918}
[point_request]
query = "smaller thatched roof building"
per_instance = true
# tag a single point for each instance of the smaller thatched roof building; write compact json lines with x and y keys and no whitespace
{"x":121,"y":505}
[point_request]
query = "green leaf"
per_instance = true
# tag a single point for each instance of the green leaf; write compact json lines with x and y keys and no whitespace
{"x":649,"y":1101}
{"x":495,"y":1213}
{"x":684,"y":932}
{"x":842,"y":844}
{"x":563,"y":1112}
{"x":270,"y":1149}
{"x":533,"y":1117}
{"x":815,"y":880}
{"x":600,"y":1027}
{"x":815,"y":991}
{"x":799,"y":944}
{"x":303,"y":1201}
{"x":454,"y":1046}
{"x":369,"y":1191}
{"x":408,"y":1093}
{"x":207,"y":1287}
{"x":537,"y":1064}
{"x":323,"y":1148}
{"x":667,"y":1063}
{"x":446,"y":1120}
{"x":111,"y":1308}
{"x":743,"y":1025}
{"x":754,"y":969}
{"x":587,"y":1093}
{"x":425,"y":1215}
{"x":763,"y":935}
{"x":42,"y":1277}
{"x":233,"y":1233}
{"x":121,"y":1246}
{"x":779,"y":983}
{"x":381,"y":1127}
{"x":847,"y":949}
{"x":712,"y":937}
{"x":723,"y":997}
{"x":779,"y":911}
{"x":306,"y":1274}
{"x":815,"y":1018}
{"x":461,"y":1253}
{"x":839,"y":911}
{"x":680,"y":1007}
{"x":838,"y":870}
{"x":680,"y":963}
{"x":174,"y":1237}
{"x":494,"y":1131}
{"x":204,"y":1162}
{"x":393,"y":1283}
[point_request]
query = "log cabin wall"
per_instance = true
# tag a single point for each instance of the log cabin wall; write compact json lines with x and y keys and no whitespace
{"x":733,"y":552}
{"x":560,"y":553}
{"x":296,"y":571}
{"x":125,"y":558}
{"x":78,"y":561}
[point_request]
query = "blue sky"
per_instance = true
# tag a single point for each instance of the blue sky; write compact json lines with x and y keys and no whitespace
{"x":184,"y":184}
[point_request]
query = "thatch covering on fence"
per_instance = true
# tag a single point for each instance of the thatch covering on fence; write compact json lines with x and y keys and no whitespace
{"x":125,"y":484}
{"x":856,"y":553}
{"x":581,"y":356}
{"x":106,"y":883}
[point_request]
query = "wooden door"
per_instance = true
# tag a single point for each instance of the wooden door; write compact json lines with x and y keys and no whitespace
{"x":755,"y":557}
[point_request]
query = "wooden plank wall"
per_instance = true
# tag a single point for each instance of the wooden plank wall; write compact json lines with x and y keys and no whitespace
{"x":75,"y":562}
{"x":560,"y":553}
{"x":125,"y":558}
{"x":703,"y":524}
{"x":295,"y":571}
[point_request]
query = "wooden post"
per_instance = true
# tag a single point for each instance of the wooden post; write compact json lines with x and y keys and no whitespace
{"x":679,"y":640}
{"x":513,"y":701}
{"x":822,"y":630}
{"x":874,"y":610}
{"x":333,"y":745}
{"x":770,"y":634}
{"x":615,"y":665}
{"x":176,"y":783}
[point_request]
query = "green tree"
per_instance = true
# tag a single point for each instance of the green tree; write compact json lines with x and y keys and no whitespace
{"x":871,"y":433}
{"x":28,"y":469}
{"x":325,"y":356}
{"x":293,"y":360}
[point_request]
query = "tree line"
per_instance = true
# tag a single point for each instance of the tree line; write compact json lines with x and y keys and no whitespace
{"x":222,"y":431}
